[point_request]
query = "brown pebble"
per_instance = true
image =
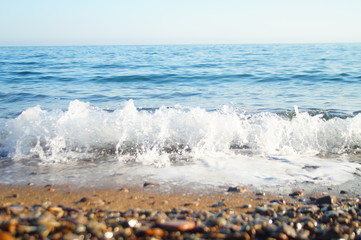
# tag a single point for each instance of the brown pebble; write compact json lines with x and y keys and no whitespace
{"x":6,"y":236}
{"x":155,"y":232}
{"x":282,"y":236}
{"x":242,"y":236}
{"x":92,"y":200}
{"x":164,"y":202}
{"x":177,"y":225}
{"x":55,"y":209}
{"x":123,"y":189}
{"x":296,"y":194}
{"x":195,"y":204}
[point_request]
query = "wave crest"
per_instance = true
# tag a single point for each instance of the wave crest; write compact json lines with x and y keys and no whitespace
{"x":165,"y":135}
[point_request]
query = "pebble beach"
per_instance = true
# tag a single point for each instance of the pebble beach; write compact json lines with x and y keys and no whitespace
{"x":64,"y":212}
{"x":253,"y":141}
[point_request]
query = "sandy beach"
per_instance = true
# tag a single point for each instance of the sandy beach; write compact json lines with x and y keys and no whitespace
{"x":123,"y":198}
{"x":64,"y":212}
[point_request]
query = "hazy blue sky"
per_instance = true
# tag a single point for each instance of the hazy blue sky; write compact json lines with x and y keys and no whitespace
{"x":89,"y":22}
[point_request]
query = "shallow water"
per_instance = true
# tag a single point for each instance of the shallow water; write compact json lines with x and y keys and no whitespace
{"x":256,"y":115}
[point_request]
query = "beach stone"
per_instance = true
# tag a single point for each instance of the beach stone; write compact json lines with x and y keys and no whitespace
{"x":133,"y":223}
{"x":296,"y":194}
{"x":70,"y":236}
{"x":195,"y":204}
{"x":260,"y":194}
{"x":329,"y":199}
{"x":16,"y":209}
{"x":334,"y":213}
{"x":16,"y":195}
{"x":219,"y":204}
{"x":282,"y":236}
{"x":247,"y":206}
{"x":155,"y":232}
{"x":303,"y":234}
{"x":288,"y":230}
{"x":240,"y":189}
{"x":124,"y":190}
{"x":243,"y":236}
{"x":265,"y":211}
{"x":278,"y":201}
{"x":308,"y":209}
{"x":165,"y":202}
{"x":92,"y":200}
{"x":151,"y":184}
{"x":6,"y":236}
{"x":177,"y":225}
{"x":221,"y":221}
{"x":83,"y":199}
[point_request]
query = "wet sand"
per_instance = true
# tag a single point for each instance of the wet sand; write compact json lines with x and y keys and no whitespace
{"x":123,"y":198}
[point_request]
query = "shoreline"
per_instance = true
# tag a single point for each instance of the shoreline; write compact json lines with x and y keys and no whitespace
{"x":59,"y":211}
{"x":123,"y":198}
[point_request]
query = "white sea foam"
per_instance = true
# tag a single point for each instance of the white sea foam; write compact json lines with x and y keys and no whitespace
{"x":223,"y":146}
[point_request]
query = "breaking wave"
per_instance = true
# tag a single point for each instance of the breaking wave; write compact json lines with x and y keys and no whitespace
{"x":165,"y":135}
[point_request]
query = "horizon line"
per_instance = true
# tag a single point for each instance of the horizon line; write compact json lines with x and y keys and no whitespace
{"x":174,"y":44}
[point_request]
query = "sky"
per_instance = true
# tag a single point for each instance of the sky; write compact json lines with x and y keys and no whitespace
{"x":128,"y":22}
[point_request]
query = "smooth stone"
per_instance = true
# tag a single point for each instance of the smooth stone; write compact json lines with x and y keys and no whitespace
{"x":308,"y":209}
{"x":238,"y":189}
{"x":124,"y":189}
{"x":219,"y":204}
{"x":6,"y":236}
{"x":296,"y":194}
{"x":288,"y":230}
{"x":247,"y":206}
{"x":329,"y":199}
{"x":177,"y":225}
{"x":221,"y":221}
{"x":155,"y":232}
{"x":191,"y":204}
{"x":151,"y":184}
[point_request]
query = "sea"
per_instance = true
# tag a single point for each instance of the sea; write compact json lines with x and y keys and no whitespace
{"x":265,"y":116}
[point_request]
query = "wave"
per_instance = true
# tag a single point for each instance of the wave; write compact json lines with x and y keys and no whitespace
{"x":165,"y":135}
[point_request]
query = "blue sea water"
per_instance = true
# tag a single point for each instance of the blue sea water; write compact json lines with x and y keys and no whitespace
{"x":226,"y":110}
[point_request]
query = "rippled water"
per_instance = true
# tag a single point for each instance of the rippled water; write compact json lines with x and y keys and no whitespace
{"x":225,"y":113}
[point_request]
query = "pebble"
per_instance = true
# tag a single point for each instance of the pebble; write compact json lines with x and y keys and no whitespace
{"x":329,"y":199}
{"x":240,"y":189}
{"x":177,"y":225}
{"x":260,"y":194}
{"x":6,"y":236}
{"x":218,"y":204}
{"x":92,"y":201}
{"x":16,"y":195}
{"x":124,"y":190}
{"x":155,"y":232}
{"x":270,"y":220}
{"x":151,"y":184}
{"x":296,"y":194}
{"x":247,"y":206}
{"x":195,"y":204}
